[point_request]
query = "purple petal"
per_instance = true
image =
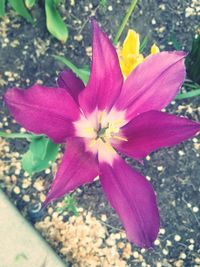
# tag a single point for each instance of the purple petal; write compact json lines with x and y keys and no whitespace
{"x":152,"y":130}
{"x":68,"y":80}
{"x":153,"y":84}
{"x":44,"y":110}
{"x":106,"y":79}
{"x":132,"y":196}
{"x":78,"y":167}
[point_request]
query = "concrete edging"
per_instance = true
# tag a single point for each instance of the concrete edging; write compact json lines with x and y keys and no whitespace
{"x":20,"y":244}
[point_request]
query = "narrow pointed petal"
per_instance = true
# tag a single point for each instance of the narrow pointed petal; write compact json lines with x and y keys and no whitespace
{"x":131,"y":45}
{"x":132,"y":196}
{"x":44,"y":110}
{"x":68,"y":80}
{"x":153,"y":130}
{"x":105,"y":81}
{"x":153,"y":84}
{"x":78,"y":167}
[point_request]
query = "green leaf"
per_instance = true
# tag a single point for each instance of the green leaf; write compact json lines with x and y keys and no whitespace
{"x":83,"y":74}
{"x":42,"y":152}
{"x":17,"y":135}
{"x":56,"y":2}
{"x":55,"y":23}
{"x":69,"y":205}
{"x":193,"y":61}
{"x":2,"y":7}
{"x":20,"y":8}
{"x":39,"y":147}
{"x":143,"y":44}
{"x":174,"y":41}
{"x":30,"y":3}
{"x":188,"y":94}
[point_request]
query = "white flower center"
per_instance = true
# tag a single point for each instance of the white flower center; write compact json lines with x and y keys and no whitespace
{"x":99,"y":130}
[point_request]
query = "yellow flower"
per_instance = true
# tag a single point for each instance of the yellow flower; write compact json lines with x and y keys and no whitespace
{"x":129,"y":54}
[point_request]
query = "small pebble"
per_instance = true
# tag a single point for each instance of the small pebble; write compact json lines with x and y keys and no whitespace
{"x":120,"y":245}
{"x":17,"y":172}
{"x":191,"y":240}
{"x":191,"y":247}
{"x":157,"y":242}
{"x":148,"y":178}
{"x":26,"y":198}
{"x":160,"y":168}
{"x":195,"y":209}
{"x":181,"y":153}
{"x":195,"y":140}
{"x":178,"y":263}
{"x":135,"y":254}
{"x":169,"y":243}
{"x":162,"y":231}
{"x":103,"y":217}
{"x":177,"y":238}
{"x":47,"y":171}
{"x":165,"y":251}
{"x":197,"y":260}
{"x":16,"y":190}
{"x":183,"y":255}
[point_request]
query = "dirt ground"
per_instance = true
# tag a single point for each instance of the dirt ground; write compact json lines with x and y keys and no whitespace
{"x":95,"y":237}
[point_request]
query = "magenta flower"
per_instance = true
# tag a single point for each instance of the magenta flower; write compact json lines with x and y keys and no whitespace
{"x":106,"y":116}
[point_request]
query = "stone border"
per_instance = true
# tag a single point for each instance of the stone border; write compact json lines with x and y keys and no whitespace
{"x":21,"y":245}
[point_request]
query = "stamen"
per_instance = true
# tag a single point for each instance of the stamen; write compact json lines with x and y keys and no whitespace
{"x":120,"y":138}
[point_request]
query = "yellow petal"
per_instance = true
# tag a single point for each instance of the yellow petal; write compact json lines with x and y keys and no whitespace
{"x":131,"y":44}
{"x":154,"y":49}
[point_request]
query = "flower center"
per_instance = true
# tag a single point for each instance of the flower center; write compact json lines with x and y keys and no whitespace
{"x":101,"y":128}
{"x":110,"y":131}
{"x":101,"y":133}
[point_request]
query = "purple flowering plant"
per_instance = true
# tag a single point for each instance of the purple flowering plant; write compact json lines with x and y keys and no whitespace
{"x":107,"y":116}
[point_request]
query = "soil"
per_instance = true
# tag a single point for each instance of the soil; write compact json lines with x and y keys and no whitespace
{"x":26,"y":57}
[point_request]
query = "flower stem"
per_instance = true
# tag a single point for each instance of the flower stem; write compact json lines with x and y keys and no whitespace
{"x":124,"y":22}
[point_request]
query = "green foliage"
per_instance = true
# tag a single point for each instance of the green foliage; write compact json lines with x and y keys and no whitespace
{"x":42,"y":152}
{"x":125,"y":21}
{"x":174,"y":41}
{"x":192,"y":90}
{"x":69,"y":205}
{"x":20,"y":8}
{"x":83,"y":74}
{"x":56,"y":2}
{"x":17,"y":135}
{"x":143,"y":44}
{"x":30,"y":3}
{"x":193,"y":61}
{"x":55,"y":23}
{"x":2,"y":7}
{"x":103,"y":5}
